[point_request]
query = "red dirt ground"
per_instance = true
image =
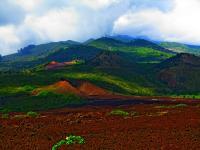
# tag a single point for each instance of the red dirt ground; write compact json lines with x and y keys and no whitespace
{"x":153,"y":129}
{"x":90,"y":89}
{"x":84,"y":89}
{"x":56,"y":65}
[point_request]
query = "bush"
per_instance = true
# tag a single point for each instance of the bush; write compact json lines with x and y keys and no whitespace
{"x":119,"y":112}
{"x":44,"y":94}
{"x":4,"y":110}
{"x":5,"y":116}
{"x":71,"y":139}
{"x":134,"y":113}
{"x":44,"y":101}
{"x":20,"y":116}
{"x":32,"y":114}
{"x":173,"y":106}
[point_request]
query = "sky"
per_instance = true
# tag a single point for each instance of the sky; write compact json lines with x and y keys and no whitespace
{"x":24,"y":22}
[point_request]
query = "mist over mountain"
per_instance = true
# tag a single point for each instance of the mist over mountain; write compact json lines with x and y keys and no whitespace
{"x":36,"y":22}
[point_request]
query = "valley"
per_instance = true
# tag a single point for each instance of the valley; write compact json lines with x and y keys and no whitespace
{"x":142,"y":92}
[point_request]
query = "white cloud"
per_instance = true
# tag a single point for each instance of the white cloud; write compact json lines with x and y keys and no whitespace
{"x":54,"y":25}
{"x":8,"y":39}
{"x":26,"y":22}
{"x":28,"y":5}
{"x":99,"y":4}
{"x":46,"y":21}
{"x":181,"y":24}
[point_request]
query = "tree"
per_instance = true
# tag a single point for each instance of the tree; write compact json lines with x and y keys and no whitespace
{"x":26,"y":50}
{"x":1,"y":57}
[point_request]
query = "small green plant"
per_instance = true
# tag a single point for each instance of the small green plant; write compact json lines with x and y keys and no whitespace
{"x":4,"y":110}
{"x":172,"y":106}
{"x":71,"y":139}
{"x":5,"y":116}
{"x":32,"y":114}
{"x":198,"y":105}
{"x":119,"y":112}
{"x":19,"y":116}
{"x":44,"y":94}
{"x":134,"y":113}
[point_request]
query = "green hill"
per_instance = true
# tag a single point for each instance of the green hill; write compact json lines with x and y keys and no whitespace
{"x":140,"y":50}
{"x":31,"y":55}
{"x":180,"y":73}
{"x":181,"y":48}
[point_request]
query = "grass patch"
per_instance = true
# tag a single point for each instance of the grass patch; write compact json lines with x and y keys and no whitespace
{"x":32,"y":114}
{"x":43,"y":101}
{"x":71,"y":139}
{"x":5,"y":116}
{"x":28,"y":114}
{"x":198,"y":105}
{"x":119,"y":112}
{"x":134,"y":113}
{"x":4,"y":110}
{"x":19,"y":116}
{"x":173,"y":106}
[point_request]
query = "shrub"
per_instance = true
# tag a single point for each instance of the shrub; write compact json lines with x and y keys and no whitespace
{"x":119,"y":112}
{"x":5,"y":116}
{"x":44,"y":94}
{"x":181,"y":105}
{"x":71,"y":139}
{"x":28,"y":88}
{"x":4,"y":110}
{"x":172,"y":106}
{"x":25,"y":103}
{"x":134,"y":113}
{"x":20,"y":116}
{"x":32,"y":114}
{"x":198,"y":105}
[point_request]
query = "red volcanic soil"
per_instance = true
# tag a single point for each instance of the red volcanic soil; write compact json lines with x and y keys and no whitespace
{"x":56,"y":65}
{"x":153,"y":128}
{"x":63,"y":87}
{"x":60,"y":87}
{"x":90,"y":89}
{"x":83,"y":88}
{"x":53,"y":65}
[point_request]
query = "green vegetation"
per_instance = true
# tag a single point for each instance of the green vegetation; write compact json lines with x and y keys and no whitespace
{"x":28,"y":114}
{"x":4,"y":110}
{"x":21,"y":116}
{"x":5,"y":116}
{"x":173,"y":106}
{"x":71,"y":139}
{"x":16,"y":90}
{"x":181,"y":48}
{"x":134,"y":113}
{"x":49,"y":100}
{"x":180,"y":73}
{"x":137,"y":67}
{"x":140,"y":50}
{"x":119,"y":112}
{"x":192,"y":96}
{"x":198,"y":105}
{"x":32,"y":114}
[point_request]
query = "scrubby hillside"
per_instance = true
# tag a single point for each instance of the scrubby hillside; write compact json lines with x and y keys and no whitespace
{"x":181,"y":48}
{"x":140,"y":50}
{"x":181,"y":73}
